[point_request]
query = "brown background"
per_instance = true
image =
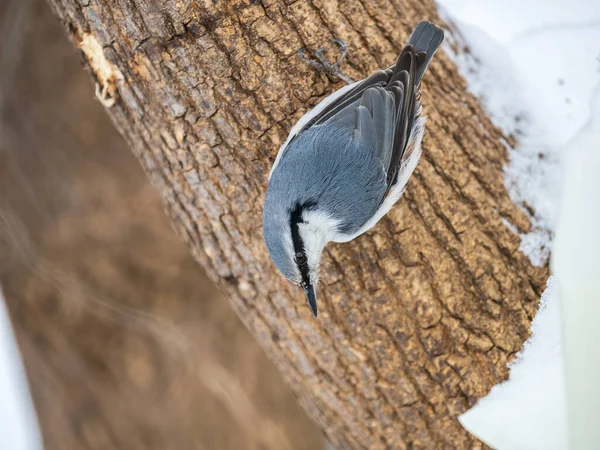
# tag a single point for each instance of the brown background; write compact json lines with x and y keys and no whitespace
{"x":126,"y":343}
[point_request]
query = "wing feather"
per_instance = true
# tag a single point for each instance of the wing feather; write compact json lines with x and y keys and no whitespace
{"x":380,"y":110}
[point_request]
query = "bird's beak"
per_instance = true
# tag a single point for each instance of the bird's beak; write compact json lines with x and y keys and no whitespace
{"x":311,"y":296}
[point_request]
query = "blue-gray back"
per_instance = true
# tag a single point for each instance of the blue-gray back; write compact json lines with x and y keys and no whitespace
{"x":328,"y":167}
{"x":329,"y":170}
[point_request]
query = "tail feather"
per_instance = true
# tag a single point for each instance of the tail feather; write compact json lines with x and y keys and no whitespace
{"x":426,"y":38}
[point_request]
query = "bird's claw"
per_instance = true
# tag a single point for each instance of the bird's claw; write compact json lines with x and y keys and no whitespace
{"x":322,"y":65}
{"x":307,"y":60}
{"x":319,"y":55}
{"x":343,"y":50}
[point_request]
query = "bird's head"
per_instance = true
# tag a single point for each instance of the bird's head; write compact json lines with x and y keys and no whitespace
{"x":295,"y":238}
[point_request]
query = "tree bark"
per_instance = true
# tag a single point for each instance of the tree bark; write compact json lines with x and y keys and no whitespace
{"x":419,"y":317}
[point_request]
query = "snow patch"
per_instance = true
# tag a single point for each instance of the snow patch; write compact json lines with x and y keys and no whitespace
{"x":528,"y":412}
{"x":18,"y":421}
{"x":533,"y":65}
{"x":492,"y":77}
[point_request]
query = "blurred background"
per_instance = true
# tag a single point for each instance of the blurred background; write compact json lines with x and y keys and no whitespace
{"x":126,"y":344}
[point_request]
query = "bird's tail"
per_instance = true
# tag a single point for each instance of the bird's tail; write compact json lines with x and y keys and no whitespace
{"x":425,"y":38}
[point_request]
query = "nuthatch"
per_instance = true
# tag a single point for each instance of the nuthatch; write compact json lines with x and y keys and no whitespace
{"x":346,"y":162}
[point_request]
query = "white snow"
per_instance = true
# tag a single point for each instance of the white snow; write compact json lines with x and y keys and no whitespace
{"x":534,"y":65}
{"x":18,"y":422}
{"x":528,"y":412}
{"x":576,"y":268}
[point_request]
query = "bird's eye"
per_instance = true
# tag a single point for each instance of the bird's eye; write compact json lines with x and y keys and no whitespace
{"x":300,"y":258}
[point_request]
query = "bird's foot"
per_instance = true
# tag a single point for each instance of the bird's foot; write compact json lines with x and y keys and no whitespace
{"x":321,"y":64}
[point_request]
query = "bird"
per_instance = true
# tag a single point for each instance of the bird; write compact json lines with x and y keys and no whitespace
{"x":347,"y":161}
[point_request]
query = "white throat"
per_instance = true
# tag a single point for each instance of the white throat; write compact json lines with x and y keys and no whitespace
{"x":316,"y":230}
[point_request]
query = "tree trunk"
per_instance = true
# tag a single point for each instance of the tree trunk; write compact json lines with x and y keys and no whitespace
{"x":419,"y":317}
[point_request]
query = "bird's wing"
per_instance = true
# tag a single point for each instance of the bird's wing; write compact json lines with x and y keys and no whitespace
{"x":378,"y":111}
{"x":382,"y":106}
{"x":331,"y":103}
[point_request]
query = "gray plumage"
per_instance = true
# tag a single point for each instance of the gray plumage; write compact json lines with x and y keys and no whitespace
{"x":347,"y":158}
{"x":328,"y":166}
{"x":425,"y":38}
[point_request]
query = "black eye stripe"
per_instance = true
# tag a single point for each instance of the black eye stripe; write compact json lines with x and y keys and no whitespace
{"x":299,"y":251}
